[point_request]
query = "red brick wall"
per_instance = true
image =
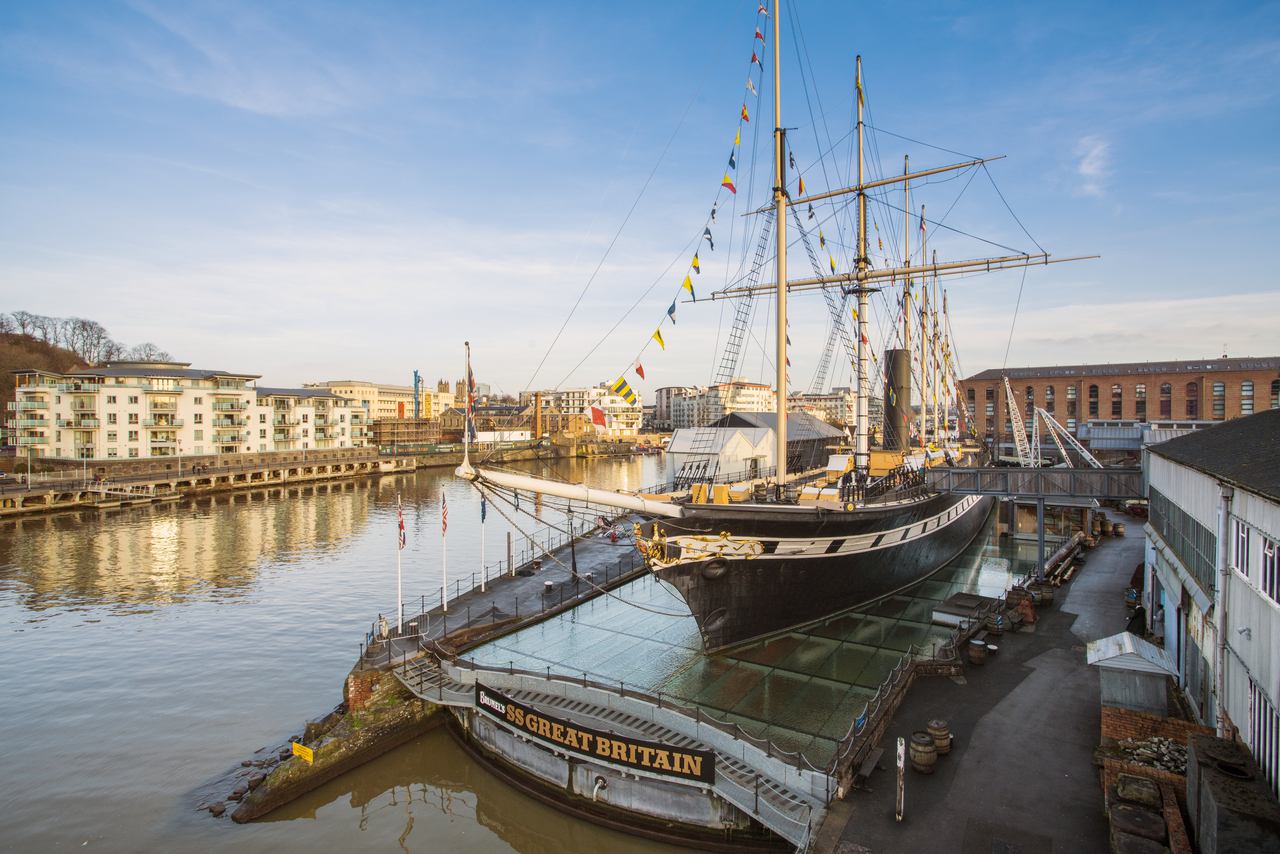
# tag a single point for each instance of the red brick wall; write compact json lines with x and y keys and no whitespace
{"x":1120,"y":723}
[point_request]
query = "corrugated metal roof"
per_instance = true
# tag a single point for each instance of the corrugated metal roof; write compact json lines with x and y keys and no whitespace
{"x":1245,"y":452}
{"x":1191,"y":366}
{"x":1127,"y":651}
{"x":800,"y":425}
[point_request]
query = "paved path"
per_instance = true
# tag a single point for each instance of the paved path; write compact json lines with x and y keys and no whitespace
{"x":1020,"y":777}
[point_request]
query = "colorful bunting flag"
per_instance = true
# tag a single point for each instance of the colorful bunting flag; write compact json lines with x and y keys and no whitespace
{"x":822,"y":240}
{"x":792,"y":156}
{"x":751,"y":87}
{"x":745,"y":116}
{"x":802,"y":185}
{"x":671,"y":313}
{"x":756,"y":60}
{"x":697,"y":266}
{"x":922,"y":226}
{"x":622,"y":390}
{"x":833,"y":263}
{"x":759,"y":34}
{"x":639,"y":369}
{"x":733,"y":161}
{"x":687,"y":284}
{"x":763,"y":11}
{"x":737,"y":137}
{"x":811,"y":214}
{"x":706,"y":232}
{"x":598,"y":417}
{"x":657,"y":336}
{"x":713,"y":213}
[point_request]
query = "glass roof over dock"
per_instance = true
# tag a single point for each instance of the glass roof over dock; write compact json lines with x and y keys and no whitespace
{"x":801,"y":689}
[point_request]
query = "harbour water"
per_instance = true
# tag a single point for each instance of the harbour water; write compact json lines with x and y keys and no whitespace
{"x":148,"y":651}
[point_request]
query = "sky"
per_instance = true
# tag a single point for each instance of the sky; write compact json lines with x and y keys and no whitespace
{"x":314,"y":191}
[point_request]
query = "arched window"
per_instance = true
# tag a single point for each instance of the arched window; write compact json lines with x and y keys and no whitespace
{"x":971,"y":392}
{"x":1193,"y":400}
{"x":1093,"y":401}
{"x":1219,"y":400}
{"x":1048,"y":398}
{"x":1140,"y":401}
{"x":1117,"y":400}
{"x":1166,"y":400}
{"x":1246,"y":397}
{"x":1275,"y":394}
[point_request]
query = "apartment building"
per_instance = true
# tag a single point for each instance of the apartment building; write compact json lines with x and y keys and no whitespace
{"x":131,"y":410}
{"x":381,"y":400}
{"x":623,"y":419}
{"x":697,"y":407}
{"x":664,"y":404}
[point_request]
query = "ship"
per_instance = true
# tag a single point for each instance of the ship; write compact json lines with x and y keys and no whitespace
{"x":764,"y":551}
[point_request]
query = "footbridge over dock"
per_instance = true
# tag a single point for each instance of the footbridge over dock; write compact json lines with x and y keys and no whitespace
{"x":780,"y":790}
{"x":1040,"y":484}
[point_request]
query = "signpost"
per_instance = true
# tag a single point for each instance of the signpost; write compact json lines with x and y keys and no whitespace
{"x":902,"y":763}
{"x":309,"y":756}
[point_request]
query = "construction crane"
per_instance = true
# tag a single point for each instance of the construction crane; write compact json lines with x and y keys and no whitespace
{"x":1056,"y":430}
{"x":1019,"y":428}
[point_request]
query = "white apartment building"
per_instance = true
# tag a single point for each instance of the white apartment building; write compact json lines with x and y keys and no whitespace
{"x":623,"y":418}
{"x":1213,"y":564}
{"x":664,"y":404}
{"x":131,"y":410}
{"x":701,"y":406}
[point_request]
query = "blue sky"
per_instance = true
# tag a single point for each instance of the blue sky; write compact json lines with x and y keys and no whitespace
{"x":314,"y":191}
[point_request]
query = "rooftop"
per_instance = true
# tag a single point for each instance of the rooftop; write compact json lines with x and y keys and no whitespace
{"x":177,"y":370}
{"x":1244,"y":452}
{"x":296,"y":392}
{"x":800,"y":425}
{"x":1190,"y":366}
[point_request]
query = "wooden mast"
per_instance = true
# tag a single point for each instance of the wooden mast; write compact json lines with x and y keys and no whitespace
{"x":926,"y":340}
{"x":780,"y":204}
{"x":862,"y":446}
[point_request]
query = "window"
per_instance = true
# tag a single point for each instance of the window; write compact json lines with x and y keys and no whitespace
{"x":111,"y":398}
{"x":1240,"y":547}
{"x":1275,"y":394}
{"x":1193,"y":400}
{"x":112,"y":436}
{"x":133,"y":398}
{"x":1166,"y":400}
{"x":1071,"y":392}
{"x":112,"y":453}
{"x":1269,"y":578}
{"x":306,"y":417}
{"x":991,"y":392}
{"x":1048,"y":398}
{"x":198,"y":435}
{"x":199,"y":401}
{"x":133,"y":418}
{"x":1093,"y":401}
{"x":1140,"y":401}
{"x":199,"y":450}
{"x":1071,"y":424}
{"x":262,"y":418}
{"x":111,"y":418}
{"x":991,"y":409}
{"x":1219,"y":400}
{"x":1246,"y":397}
{"x":198,"y":418}
{"x":262,"y":434}
{"x":133,"y":435}
{"x":971,"y":394}
{"x":262,"y":447}
{"x":133,"y":452}
{"x":1117,"y":400}
{"x":1192,"y":543}
{"x":1031,"y":394}
{"x":305,"y":432}
{"x":1264,"y":736}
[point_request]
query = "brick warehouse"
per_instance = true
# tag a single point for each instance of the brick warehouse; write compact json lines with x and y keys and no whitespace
{"x":1200,"y":391}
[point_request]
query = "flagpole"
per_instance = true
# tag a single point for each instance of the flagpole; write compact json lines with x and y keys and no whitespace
{"x":444,"y":556}
{"x":466,"y":407}
{"x":482,"y":514}
{"x":399,"y":579}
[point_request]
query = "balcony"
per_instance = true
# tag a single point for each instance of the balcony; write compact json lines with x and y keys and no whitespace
{"x":28,"y":404}
{"x":230,"y":406}
{"x":28,"y":422}
{"x":79,"y":423}
{"x":161,"y":406}
{"x":163,"y":443}
{"x":24,"y":441}
{"x":79,"y":388}
{"x":226,"y":437}
{"x":285,"y":435}
{"x":284,"y":421}
{"x":163,"y":422}
{"x":228,"y":421}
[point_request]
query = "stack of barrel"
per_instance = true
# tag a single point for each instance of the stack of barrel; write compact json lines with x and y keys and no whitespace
{"x":928,"y":744}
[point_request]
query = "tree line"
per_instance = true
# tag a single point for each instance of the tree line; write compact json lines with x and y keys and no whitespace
{"x":88,"y":339}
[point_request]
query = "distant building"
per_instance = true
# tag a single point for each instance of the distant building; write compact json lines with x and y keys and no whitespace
{"x":132,"y":410}
{"x":1213,"y":574}
{"x":381,"y":400}
{"x":663,"y":403}
{"x":405,"y":433}
{"x":702,"y":406}
{"x":622,"y":419}
{"x":1114,"y":403}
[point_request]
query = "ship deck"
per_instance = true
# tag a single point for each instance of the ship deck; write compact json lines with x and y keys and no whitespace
{"x":801,"y":689}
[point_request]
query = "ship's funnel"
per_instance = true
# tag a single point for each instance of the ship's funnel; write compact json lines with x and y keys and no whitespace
{"x":897,"y":400}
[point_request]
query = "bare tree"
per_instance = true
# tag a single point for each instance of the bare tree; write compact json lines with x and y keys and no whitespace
{"x":148,"y":352}
{"x":45,"y":328}
{"x":7,"y":324}
{"x":24,"y":321}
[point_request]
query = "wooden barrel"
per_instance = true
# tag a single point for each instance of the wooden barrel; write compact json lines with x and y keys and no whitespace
{"x":941,"y":733}
{"x":995,"y":623}
{"x":977,"y":652}
{"x":1107,"y":527}
{"x":924,"y":756}
{"x":992,"y":649}
{"x":1118,"y":529}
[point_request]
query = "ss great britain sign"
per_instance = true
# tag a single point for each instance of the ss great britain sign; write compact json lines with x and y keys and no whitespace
{"x":651,"y":757}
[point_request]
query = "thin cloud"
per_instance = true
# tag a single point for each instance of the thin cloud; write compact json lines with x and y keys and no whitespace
{"x":1093,"y":165}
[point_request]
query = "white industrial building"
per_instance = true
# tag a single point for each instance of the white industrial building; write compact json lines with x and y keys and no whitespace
{"x":1213,"y":564}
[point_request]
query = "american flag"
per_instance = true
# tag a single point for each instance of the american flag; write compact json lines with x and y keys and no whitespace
{"x":400,"y":518}
{"x":444,"y":515}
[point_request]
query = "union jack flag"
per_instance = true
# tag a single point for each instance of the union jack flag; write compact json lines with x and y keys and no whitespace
{"x":400,"y":522}
{"x":444,"y":515}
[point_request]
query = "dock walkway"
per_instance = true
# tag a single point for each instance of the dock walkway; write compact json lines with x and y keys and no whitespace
{"x":1020,"y":775}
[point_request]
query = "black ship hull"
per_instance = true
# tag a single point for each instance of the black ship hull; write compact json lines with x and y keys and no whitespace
{"x":750,"y":571}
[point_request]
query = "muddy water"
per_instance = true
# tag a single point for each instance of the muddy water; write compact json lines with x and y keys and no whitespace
{"x":145,"y":652}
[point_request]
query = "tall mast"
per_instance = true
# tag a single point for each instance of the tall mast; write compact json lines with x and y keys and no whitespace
{"x":906,"y":294}
{"x":939,"y":382}
{"x":862,"y":448}
{"x":780,"y":203}
{"x":926,"y":340}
